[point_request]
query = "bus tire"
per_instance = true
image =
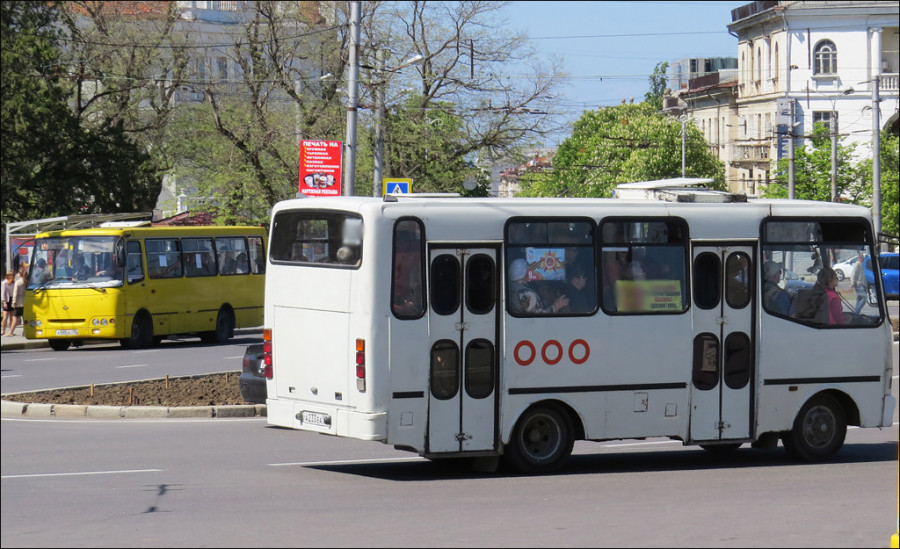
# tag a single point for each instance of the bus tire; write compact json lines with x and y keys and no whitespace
{"x":141,"y":333}
{"x":541,"y":441}
{"x":224,"y":326}
{"x":819,"y":430}
{"x":59,"y":344}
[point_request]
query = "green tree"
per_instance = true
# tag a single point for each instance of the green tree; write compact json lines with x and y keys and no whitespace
{"x":890,"y":172}
{"x":621,"y":144}
{"x":812,"y":171}
{"x":53,"y":162}
{"x":658,"y":82}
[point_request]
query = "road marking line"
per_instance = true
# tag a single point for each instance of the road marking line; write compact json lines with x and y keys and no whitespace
{"x":38,"y":359}
{"x":345,"y":461}
{"x":37,"y":475}
{"x":133,"y":366}
{"x":238,"y":356}
{"x":14,"y":375}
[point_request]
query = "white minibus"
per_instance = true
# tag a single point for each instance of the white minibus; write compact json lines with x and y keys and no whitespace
{"x":469,"y":327}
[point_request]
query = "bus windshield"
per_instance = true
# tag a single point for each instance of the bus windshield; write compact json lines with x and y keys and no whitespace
{"x":74,"y":262}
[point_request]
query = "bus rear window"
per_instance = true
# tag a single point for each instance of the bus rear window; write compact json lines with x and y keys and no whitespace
{"x":319,"y":238}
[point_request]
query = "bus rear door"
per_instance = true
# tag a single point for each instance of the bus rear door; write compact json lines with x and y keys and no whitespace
{"x":723,"y":359}
{"x":463,"y":298}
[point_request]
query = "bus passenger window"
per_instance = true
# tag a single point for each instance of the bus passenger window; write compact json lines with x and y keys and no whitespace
{"x":550,"y":267}
{"x":163,"y":258}
{"x":801,"y":250}
{"x":643,"y":266}
{"x":407,"y":299}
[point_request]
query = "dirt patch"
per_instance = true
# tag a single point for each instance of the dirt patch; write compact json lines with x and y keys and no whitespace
{"x":206,"y":390}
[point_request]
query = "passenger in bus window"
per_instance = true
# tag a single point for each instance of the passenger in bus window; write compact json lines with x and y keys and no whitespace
{"x":578,"y":290}
{"x":227,"y":264}
{"x":523,"y":299}
{"x":242,"y":266}
{"x":775,"y":299}
{"x":407,"y":285}
{"x":827,"y":280}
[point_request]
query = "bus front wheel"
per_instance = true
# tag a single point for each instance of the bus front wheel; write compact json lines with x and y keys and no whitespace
{"x":819,"y":430}
{"x":141,"y":333}
{"x":541,"y":441}
{"x":59,"y":344}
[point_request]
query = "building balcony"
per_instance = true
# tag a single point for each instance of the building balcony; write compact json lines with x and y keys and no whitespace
{"x":750,"y":153}
{"x":889,"y":82}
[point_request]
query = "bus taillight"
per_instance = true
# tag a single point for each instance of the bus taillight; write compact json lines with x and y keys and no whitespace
{"x":267,"y":351}
{"x":361,"y":365}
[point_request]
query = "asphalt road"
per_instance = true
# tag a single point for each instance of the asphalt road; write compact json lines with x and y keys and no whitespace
{"x":240,"y":483}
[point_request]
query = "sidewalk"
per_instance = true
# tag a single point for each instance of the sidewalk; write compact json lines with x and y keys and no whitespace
{"x":18,"y":341}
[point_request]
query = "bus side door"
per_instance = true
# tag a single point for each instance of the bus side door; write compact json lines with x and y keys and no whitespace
{"x":463,"y":298}
{"x":722,"y":396}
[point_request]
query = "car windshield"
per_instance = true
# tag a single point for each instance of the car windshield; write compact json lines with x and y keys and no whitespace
{"x":74,"y":262}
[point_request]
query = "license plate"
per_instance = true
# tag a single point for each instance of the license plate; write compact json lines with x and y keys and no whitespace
{"x":315,"y":418}
{"x":67,"y":332}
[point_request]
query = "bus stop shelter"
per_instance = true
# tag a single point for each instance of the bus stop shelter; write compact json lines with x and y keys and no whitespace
{"x":20,"y":234}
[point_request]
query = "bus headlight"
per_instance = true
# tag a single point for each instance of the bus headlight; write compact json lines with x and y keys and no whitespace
{"x":95,"y":322}
{"x":103,"y":322}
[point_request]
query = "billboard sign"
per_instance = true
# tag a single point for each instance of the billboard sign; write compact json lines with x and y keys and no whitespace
{"x":320,"y":167}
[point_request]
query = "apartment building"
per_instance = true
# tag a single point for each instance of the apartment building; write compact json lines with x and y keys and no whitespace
{"x":798,"y":63}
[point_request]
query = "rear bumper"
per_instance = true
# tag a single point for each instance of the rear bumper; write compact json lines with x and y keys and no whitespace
{"x":343,"y":422}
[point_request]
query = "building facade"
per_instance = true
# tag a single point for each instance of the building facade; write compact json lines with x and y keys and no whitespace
{"x":799,"y":62}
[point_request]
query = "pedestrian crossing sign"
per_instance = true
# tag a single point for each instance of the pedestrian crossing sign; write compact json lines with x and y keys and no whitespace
{"x":396,"y":185}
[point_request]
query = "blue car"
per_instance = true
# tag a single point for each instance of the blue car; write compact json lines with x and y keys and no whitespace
{"x":889,"y":278}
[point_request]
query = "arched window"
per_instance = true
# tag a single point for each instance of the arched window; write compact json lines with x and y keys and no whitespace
{"x":825,"y":58}
{"x":759,"y":64}
{"x":777,"y":63}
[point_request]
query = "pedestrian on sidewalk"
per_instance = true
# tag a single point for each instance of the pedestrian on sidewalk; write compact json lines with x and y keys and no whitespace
{"x":6,"y":296}
{"x":18,"y":298}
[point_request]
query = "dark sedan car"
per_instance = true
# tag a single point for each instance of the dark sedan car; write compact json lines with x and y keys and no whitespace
{"x":253,"y":375}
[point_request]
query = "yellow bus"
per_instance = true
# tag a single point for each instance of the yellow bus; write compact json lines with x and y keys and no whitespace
{"x":139,"y":284}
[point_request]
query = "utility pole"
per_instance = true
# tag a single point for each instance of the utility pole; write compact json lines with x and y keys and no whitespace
{"x":791,"y":185}
{"x":379,"y":116}
{"x":353,"y":98}
{"x":876,"y":159}
{"x":684,"y":120}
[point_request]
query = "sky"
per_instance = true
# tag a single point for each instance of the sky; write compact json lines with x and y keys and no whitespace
{"x":609,"y":49}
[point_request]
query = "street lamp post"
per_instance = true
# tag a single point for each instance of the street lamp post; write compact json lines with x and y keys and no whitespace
{"x":379,"y":115}
{"x":834,"y":136}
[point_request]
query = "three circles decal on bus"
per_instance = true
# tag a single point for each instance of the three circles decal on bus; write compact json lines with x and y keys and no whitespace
{"x":525,"y":359}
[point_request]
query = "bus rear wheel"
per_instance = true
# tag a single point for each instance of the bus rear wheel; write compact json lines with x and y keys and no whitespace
{"x":819,"y":430}
{"x":224,"y":326}
{"x":541,"y":441}
{"x":59,"y":344}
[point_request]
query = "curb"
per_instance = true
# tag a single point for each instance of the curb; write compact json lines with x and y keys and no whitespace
{"x":13,"y":409}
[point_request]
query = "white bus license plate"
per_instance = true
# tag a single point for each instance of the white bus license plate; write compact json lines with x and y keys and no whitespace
{"x":315,"y":418}
{"x":67,"y":332}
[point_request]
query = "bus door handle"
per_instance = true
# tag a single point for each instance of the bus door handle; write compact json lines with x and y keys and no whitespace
{"x":721,"y":320}
{"x":462,"y":326}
